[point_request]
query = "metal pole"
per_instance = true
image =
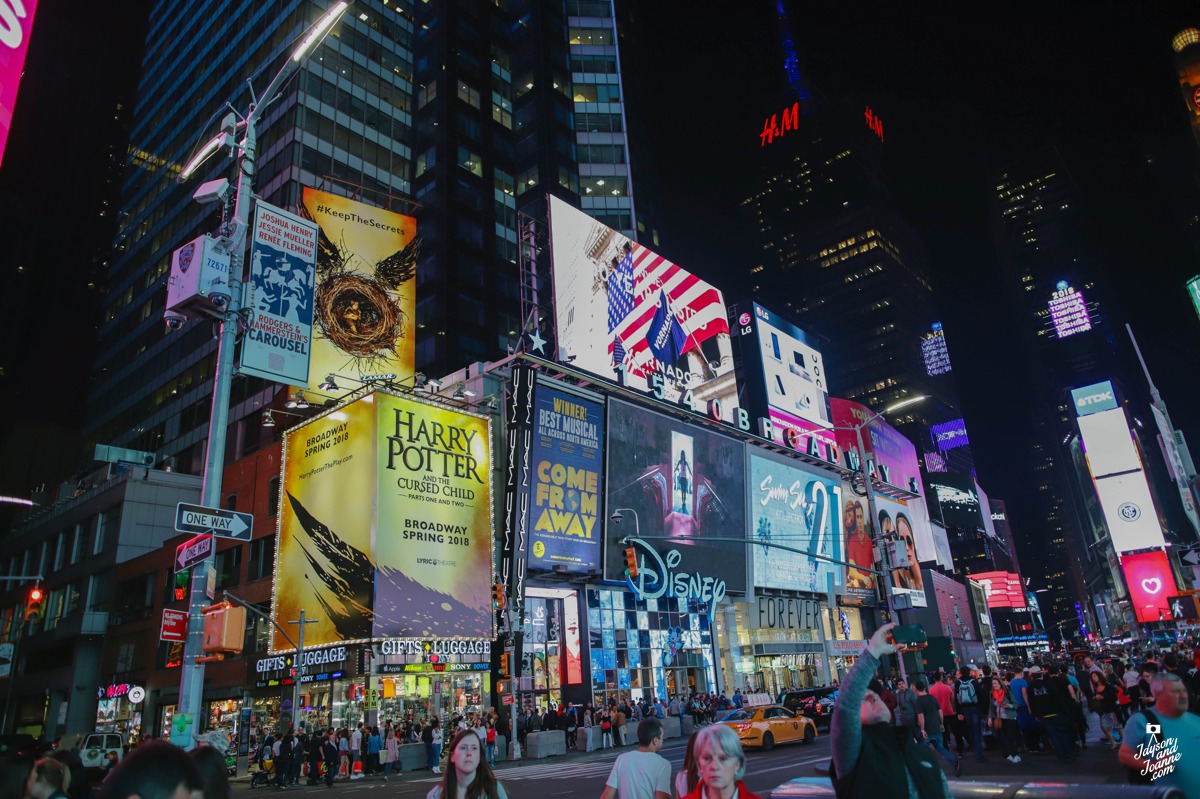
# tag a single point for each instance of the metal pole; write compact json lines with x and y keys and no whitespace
{"x":884,"y":547}
{"x":191,"y":682}
{"x":299,"y":675}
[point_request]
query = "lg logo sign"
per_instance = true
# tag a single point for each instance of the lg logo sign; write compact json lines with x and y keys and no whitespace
{"x":11,"y":14}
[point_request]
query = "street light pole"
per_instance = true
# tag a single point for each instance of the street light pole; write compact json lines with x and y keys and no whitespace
{"x":299,"y":664}
{"x":191,"y":682}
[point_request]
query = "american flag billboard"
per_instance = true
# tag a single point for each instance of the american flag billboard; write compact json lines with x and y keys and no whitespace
{"x":627,"y":314}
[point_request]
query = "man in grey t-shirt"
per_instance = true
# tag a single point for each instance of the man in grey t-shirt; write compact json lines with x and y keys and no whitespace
{"x":643,"y":774}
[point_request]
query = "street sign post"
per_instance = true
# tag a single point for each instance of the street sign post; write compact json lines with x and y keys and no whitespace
{"x":193,"y":551}
{"x":174,"y":625}
{"x":217,"y":521}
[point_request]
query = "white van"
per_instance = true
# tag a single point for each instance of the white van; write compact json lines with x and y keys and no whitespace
{"x":97,"y":746}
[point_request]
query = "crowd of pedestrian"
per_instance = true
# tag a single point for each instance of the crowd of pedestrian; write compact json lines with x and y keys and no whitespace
{"x":1046,"y":706}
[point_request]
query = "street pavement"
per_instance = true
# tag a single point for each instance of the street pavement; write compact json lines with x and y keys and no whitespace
{"x":584,"y":774}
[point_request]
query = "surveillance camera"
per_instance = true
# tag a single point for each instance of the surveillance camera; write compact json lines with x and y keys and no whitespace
{"x":174,"y":320}
{"x":212,"y":192}
{"x":616,"y":518}
{"x":219,"y":301}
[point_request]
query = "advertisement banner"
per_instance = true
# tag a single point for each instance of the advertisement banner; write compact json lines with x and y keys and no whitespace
{"x":957,"y":501}
{"x":564,"y":495}
{"x":16,"y":24}
{"x":1003,"y":589}
{"x":860,"y":586}
{"x":1094,"y":398}
{"x":628,"y":315}
{"x":365,"y":300}
{"x":1151,"y":585}
{"x":677,"y":480}
{"x":954,"y":608}
{"x":1129,"y":512}
{"x":385,"y":524}
{"x":1108,"y":443}
{"x":941,"y":546}
{"x":781,"y":376}
{"x":283,"y":259}
{"x":903,"y":520}
{"x":798,"y":507}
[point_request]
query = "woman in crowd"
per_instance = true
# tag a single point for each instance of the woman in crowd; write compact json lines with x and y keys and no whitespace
{"x":390,"y":754}
{"x":1002,"y":716}
{"x":489,"y":741}
{"x":1104,"y":704}
{"x":688,"y":776}
{"x":468,"y":776}
{"x":343,"y":754}
{"x":721,"y":764}
{"x":48,"y":779}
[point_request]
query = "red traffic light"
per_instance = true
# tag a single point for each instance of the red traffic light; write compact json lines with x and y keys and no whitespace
{"x":631,"y":567}
{"x":35,"y":595}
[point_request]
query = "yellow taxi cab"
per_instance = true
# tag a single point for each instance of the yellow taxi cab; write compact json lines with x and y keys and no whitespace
{"x":769,"y":725}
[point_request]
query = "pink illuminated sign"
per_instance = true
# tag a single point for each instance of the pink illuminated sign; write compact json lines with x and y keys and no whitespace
{"x":1068,"y":311}
{"x":16,"y":21}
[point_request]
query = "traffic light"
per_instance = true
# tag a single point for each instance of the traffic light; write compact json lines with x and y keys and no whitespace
{"x":224,"y":629}
{"x":33,"y":606}
{"x":498,"y":595}
{"x":631,"y":562}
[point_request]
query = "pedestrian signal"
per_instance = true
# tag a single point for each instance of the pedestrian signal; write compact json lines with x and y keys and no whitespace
{"x":498,"y":596}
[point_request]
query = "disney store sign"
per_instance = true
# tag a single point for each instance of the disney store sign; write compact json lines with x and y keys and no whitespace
{"x":658,"y":575}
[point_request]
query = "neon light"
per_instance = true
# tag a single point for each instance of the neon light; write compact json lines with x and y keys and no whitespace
{"x":1068,"y":311}
{"x":874,"y":122}
{"x":949,"y":435}
{"x":774,"y":126}
{"x":933,"y":350}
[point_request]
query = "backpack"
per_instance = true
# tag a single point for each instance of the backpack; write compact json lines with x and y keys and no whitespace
{"x":966,"y":693}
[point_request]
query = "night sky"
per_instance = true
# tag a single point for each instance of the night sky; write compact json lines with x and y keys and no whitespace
{"x":961,"y":89}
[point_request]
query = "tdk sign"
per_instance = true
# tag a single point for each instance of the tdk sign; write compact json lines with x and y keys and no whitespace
{"x":1094,"y":398}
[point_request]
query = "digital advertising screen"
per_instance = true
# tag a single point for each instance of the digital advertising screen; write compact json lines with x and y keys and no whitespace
{"x":903,"y":520}
{"x":1108,"y":443}
{"x":860,"y":582}
{"x":364,"y":308}
{"x":957,"y":500}
{"x":781,"y":375}
{"x":1094,"y":398}
{"x":798,"y":507}
{"x":1003,"y":589}
{"x":385,"y":523}
{"x":950,"y":435}
{"x":680,"y":486}
{"x":630,"y":316}
{"x":1129,"y":512}
{"x":1151,"y":584}
{"x":566,"y":488}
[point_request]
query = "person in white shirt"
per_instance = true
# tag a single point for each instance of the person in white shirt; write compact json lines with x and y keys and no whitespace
{"x":356,"y":753}
{"x":642,"y":774}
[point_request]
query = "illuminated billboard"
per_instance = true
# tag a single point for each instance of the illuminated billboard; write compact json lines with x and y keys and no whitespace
{"x":798,"y":507}
{"x":385,"y":524}
{"x":934,"y":352}
{"x":1151,"y":585}
{"x":1129,"y":512}
{"x":1108,"y":443}
{"x":678,"y":481}
{"x":1003,"y":589}
{"x":904,"y":520}
{"x":365,"y":301}
{"x":1094,"y":398}
{"x":1193,"y":288}
{"x":566,"y":486}
{"x":16,"y":24}
{"x":950,"y":435}
{"x":283,"y":258}
{"x":1068,"y":311}
{"x":860,"y":549}
{"x":628,"y":315}
{"x":781,"y":376}
{"x":957,"y":500}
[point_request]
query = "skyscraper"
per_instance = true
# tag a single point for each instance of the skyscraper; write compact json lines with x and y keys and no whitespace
{"x":461,"y":114}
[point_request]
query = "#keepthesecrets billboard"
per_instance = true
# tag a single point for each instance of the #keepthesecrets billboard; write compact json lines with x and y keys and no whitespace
{"x":628,"y":315}
{"x":365,"y":302}
{"x":799,"y":508}
{"x":565,"y":492}
{"x":385,"y":524}
{"x":679,"y":481}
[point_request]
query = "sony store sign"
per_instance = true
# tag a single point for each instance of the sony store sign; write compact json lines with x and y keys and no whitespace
{"x":784,"y":613}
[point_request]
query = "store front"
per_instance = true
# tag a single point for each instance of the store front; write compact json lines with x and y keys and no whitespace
{"x":424,"y":678}
{"x":771,"y":644}
{"x":653,"y":648}
{"x":119,"y":709}
{"x":324,"y":692}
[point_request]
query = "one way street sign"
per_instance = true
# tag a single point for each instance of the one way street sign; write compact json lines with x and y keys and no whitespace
{"x":221,"y":523}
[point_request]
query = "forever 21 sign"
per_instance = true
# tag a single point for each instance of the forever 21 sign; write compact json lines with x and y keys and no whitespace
{"x":782,"y":613}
